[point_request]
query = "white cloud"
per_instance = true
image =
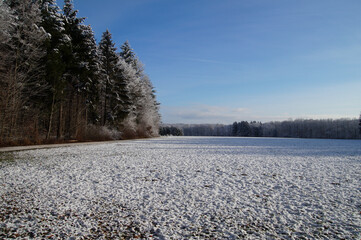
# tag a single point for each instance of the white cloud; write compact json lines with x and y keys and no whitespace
{"x":202,"y":114}
{"x":198,"y":114}
{"x":332,"y":101}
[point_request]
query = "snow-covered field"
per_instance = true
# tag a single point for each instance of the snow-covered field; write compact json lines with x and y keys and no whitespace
{"x":184,"y":188}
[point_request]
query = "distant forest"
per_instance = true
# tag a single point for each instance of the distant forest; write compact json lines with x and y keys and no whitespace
{"x":57,"y":83}
{"x":301,"y":128}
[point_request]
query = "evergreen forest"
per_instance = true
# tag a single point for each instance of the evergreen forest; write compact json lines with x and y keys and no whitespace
{"x":57,"y":84}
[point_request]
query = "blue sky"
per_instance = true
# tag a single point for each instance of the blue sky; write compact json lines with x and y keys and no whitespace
{"x":215,"y":61}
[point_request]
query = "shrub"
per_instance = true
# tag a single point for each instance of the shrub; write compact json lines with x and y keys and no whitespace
{"x":99,"y":133}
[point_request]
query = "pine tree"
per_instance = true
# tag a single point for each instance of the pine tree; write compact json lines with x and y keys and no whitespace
{"x":120,"y":103}
{"x":128,"y":55}
{"x":90,"y":77}
{"x":244,"y":129}
{"x":144,"y":107}
{"x":81,"y":71}
{"x":109,"y":67}
{"x":130,"y":80}
{"x":57,"y":46}
{"x":54,"y":78}
{"x":234,"y":129}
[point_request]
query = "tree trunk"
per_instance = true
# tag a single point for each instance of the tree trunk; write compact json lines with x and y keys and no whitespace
{"x":105,"y":104}
{"x":69,"y":116}
{"x":51,"y":116}
{"x":60,"y":122}
{"x":77,"y":116}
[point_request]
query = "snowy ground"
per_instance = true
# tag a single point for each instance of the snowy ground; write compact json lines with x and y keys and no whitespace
{"x":184,"y":188}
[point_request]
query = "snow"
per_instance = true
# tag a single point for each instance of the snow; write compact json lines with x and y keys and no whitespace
{"x":184,"y":188}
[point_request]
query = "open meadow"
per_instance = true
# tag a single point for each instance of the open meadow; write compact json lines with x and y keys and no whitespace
{"x":184,"y":188}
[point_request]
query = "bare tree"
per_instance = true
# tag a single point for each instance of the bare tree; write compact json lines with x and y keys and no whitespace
{"x":7,"y":27}
{"x":22,"y":79}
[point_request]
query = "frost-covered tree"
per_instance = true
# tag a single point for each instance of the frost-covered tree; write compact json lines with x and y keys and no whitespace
{"x":55,"y":81}
{"x":128,"y":55}
{"x":91,"y":71}
{"x":109,"y":69}
{"x":148,"y":116}
{"x":130,"y":81}
{"x":299,"y":128}
{"x":144,"y":107}
{"x":170,"y":131}
{"x":120,"y":97}
{"x":81,"y":72}
{"x":7,"y":27}
{"x":308,"y":128}
{"x":22,"y":79}
{"x":89,"y":76}
{"x":117,"y":78}
{"x":57,"y":46}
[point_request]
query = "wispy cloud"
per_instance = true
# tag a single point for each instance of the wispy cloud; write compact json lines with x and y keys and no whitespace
{"x":203,"y":114}
{"x":330,"y":102}
{"x":199,"y":114}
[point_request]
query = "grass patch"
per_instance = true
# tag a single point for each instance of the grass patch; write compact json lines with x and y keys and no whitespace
{"x":7,"y":157}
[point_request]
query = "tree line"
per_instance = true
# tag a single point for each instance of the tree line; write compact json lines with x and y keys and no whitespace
{"x":57,"y":83}
{"x":170,"y":131}
{"x":300,"y":128}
